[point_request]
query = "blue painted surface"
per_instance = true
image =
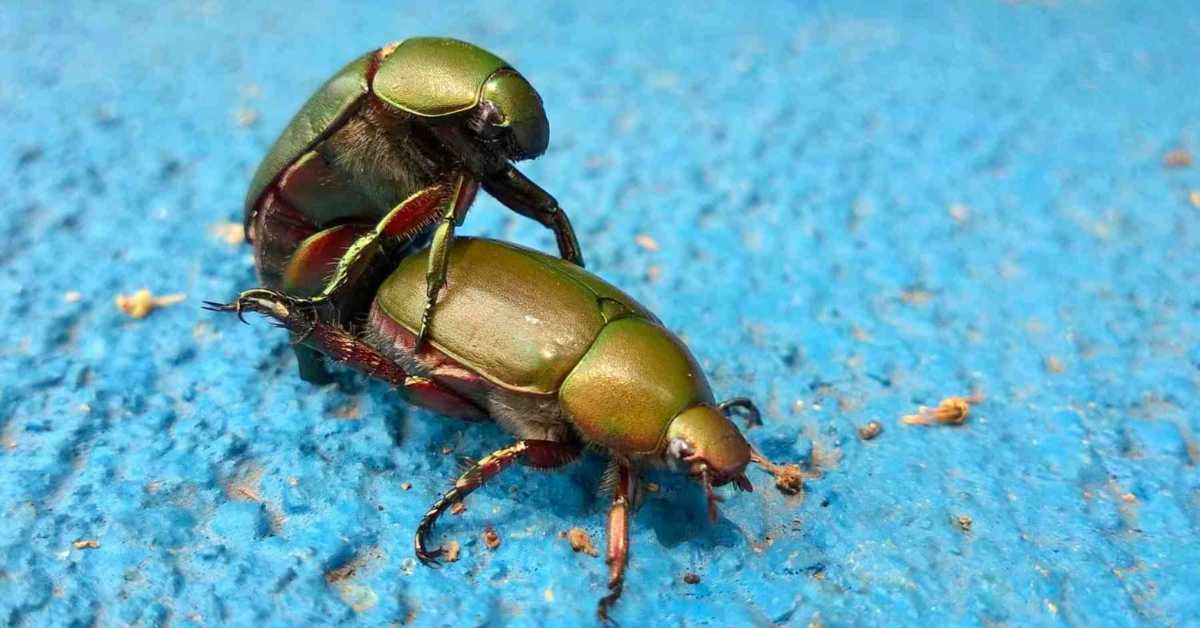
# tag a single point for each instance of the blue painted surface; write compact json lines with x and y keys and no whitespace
{"x":797,"y":167}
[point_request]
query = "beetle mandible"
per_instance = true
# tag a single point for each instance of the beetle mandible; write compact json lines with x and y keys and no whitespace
{"x":556,"y":356}
{"x":396,"y":142}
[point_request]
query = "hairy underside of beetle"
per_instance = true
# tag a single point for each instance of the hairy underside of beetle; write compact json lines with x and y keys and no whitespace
{"x":384,"y":154}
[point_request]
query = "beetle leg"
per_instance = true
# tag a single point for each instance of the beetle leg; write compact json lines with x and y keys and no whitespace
{"x":459,"y":200}
{"x":298,"y":317}
{"x":745,"y":406}
{"x":617,"y":555}
{"x":524,"y":196}
{"x":540,"y":454}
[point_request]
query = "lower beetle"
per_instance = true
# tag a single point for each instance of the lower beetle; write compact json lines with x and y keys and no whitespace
{"x":559,"y":358}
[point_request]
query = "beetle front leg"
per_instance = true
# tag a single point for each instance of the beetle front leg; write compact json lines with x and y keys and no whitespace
{"x":523,"y":196}
{"x":541,"y":454}
{"x":617,"y":556}
{"x":462,"y":193}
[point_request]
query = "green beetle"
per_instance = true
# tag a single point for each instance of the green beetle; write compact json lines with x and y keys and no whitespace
{"x":559,"y":358}
{"x":398,"y":141}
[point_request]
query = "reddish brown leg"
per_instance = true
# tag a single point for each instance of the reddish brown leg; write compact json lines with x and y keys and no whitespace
{"x":330,"y":340}
{"x":374,"y":254}
{"x":538,"y":453}
{"x":618,"y":538}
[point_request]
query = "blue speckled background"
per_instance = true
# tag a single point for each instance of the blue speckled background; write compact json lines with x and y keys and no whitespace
{"x":859,"y":209}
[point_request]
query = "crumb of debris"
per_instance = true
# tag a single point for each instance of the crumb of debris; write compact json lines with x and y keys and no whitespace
{"x":1178,"y":158}
{"x":405,"y":486}
{"x":72,"y":296}
{"x":951,"y":411}
{"x":458,"y":508}
{"x":245,"y":117}
{"x":653,"y":273}
{"x":870,"y":430}
{"x":789,"y":479}
{"x":916,"y":296}
{"x":244,"y":485}
{"x":651,"y":487}
{"x":1128,"y":498}
{"x":348,"y":411}
{"x":86,"y":544}
{"x":581,"y":541}
{"x":142,"y":302}
{"x":964,"y":522}
{"x":1054,"y":364}
{"x":490,"y":538}
{"x":548,"y":594}
{"x":960,"y":213}
{"x":646,"y":242}
{"x":691,"y":578}
{"x":452,"y":550}
{"x":1194,"y":197}
{"x":447,"y":449}
{"x":229,"y":232}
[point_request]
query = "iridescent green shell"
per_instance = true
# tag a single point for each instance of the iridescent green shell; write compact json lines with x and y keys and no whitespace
{"x":315,"y":120}
{"x":434,"y":76}
{"x":519,"y":318}
{"x":536,"y":324}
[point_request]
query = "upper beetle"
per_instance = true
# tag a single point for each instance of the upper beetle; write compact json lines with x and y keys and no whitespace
{"x":396,"y":142}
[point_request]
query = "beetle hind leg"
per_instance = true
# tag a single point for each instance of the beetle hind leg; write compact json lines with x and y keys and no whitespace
{"x":536,"y":453}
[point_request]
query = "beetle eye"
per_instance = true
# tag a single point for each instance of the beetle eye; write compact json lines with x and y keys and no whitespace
{"x":487,"y":121}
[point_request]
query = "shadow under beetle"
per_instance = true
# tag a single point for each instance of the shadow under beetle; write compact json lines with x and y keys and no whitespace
{"x":556,"y":356}
{"x":396,"y":142}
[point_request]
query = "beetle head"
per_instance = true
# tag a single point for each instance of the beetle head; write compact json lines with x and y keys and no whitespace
{"x":510,"y":118}
{"x":706,"y":445}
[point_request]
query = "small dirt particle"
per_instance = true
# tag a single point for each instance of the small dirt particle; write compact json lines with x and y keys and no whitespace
{"x":1054,"y":364}
{"x":789,"y":479}
{"x":916,"y":296}
{"x":452,"y":550}
{"x":1194,"y":197}
{"x":951,"y":411}
{"x":245,"y":117}
{"x":691,"y":578}
{"x":142,"y":302}
{"x":458,"y":508}
{"x":72,"y":297}
{"x":654,"y":273}
{"x":960,"y":213}
{"x":964,"y":522}
{"x":647,"y":242}
{"x":86,"y":544}
{"x":870,"y":430}
{"x":230,"y":233}
{"x":1178,"y":158}
{"x":406,"y":486}
{"x":581,"y":541}
{"x":651,"y":487}
{"x":490,"y":538}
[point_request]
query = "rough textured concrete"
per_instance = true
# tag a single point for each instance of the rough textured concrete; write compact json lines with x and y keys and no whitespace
{"x":858,"y":211}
